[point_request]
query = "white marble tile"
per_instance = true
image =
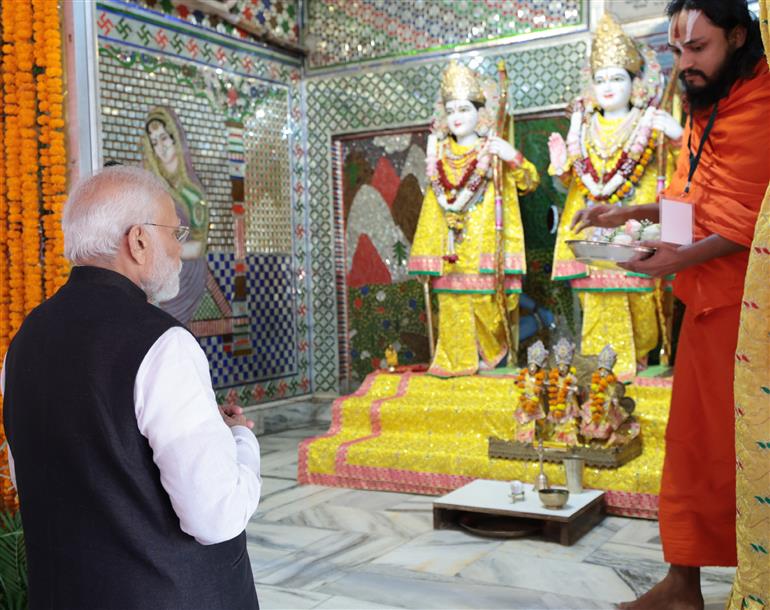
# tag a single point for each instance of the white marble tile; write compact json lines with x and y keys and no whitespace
{"x":444,"y":552}
{"x":339,"y":602}
{"x":371,"y":500}
{"x":280,"y":598}
{"x":354,"y":519}
{"x":295,"y":499}
{"x":549,"y":575}
{"x":639,"y":532}
{"x":425,"y":592}
{"x":271,"y":485}
{"x":277,"y":458}
{"x":290,"y":538}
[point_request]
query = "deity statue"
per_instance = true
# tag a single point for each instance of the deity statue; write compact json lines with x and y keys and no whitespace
{"x":532,"y":398}
{"x":166,"y":155}
{"x":455,"y":242}
{"x":606,"y":416}
{"x":563,"y":405}
{"x":608,"y":157}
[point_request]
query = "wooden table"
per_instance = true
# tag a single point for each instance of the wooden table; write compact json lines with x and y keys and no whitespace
{"x":565,"y":525}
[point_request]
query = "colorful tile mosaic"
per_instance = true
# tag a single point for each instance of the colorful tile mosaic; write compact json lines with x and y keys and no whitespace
{"x":274,"y":19}
{"x":271,"y":308}
{"x":372,"y":101}
{"x":268,"y":179}
{"x":344,"y":32}
{"x":214,"y":84}
{"x":120,"y":23}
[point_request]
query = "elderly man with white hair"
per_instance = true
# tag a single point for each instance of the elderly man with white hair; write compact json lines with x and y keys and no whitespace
{"x":134,"y":487}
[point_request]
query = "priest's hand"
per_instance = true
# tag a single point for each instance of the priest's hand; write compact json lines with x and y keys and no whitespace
{"x":233,"y":416}
{"x":666,"y":260}
{"x":603,"y":216}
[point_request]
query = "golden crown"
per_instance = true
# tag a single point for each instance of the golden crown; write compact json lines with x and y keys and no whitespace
{"x":613,"y":48}
{"x":461,"y":83}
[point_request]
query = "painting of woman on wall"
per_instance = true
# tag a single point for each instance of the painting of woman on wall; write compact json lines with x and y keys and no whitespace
{"x":166,"y":154}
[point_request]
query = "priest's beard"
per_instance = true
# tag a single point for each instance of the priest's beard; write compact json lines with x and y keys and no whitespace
{"x":716,"y":87}
{"x":163,"y":283}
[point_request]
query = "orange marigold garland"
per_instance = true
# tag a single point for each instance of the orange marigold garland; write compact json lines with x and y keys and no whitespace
{"x":526,"y":402}
{"x":53,"y":157}
{"x":599,"y":387}
{"x":30,"y":198}
{"x":32,"y":171}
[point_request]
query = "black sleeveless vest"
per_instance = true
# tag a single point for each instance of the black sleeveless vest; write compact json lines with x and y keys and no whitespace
{"x":100,"y":529}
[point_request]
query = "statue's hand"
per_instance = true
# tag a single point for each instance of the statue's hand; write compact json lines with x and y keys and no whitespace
{"x":575,"y":121}
{"x":590,"y":183}
{"x":613,"y":184}
{"x":664,"y":122}
{"x":503,"y":149}
{"x":557,"y":150}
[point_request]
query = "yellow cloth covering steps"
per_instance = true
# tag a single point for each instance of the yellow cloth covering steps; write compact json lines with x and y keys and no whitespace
{"x":417,"y":433}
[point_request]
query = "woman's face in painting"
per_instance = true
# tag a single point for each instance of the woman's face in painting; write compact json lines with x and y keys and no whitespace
{"x":162,"y":143}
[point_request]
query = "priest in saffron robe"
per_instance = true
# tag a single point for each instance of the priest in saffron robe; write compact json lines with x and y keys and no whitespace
{"x":723,"y":176}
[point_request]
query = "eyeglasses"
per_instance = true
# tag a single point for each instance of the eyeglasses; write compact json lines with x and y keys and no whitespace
{"x":181,"y":232}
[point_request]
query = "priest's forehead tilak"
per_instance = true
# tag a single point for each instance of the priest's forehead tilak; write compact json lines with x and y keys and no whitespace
{"x":680,"y":28}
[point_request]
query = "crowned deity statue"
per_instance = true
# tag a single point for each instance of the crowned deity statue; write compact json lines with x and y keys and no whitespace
{"x":455,"y":244}
{"x":563,"y":401}
{"x":166,"y":154}
{"x":532,"y":394}
{"x":607,"y":159}
{"x":606,"y":416}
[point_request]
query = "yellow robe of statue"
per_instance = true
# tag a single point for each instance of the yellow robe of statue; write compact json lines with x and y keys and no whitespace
{"x":470,"y":322}
{"x":618,"y":307}
{"x":751,"y":589}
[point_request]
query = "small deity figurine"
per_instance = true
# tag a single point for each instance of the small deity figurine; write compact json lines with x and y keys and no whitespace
{"x":455,"y":242}
{"x":563,"y":407}
{"x":166,"y":154}
{"x":605,"y":420}
{"x":532,"y":398}
{"x":608,"y":159}
{"x":391,"y":358}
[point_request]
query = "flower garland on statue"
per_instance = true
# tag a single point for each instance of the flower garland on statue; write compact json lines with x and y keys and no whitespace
{"x":558,"y":389}
{"x":599,"y":396}
{"x":529,"y":399}
{"x":636,"y":153}
{"x":455,"y":197}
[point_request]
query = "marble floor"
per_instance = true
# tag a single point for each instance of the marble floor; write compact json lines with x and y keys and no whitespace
{"x":320,"y":547}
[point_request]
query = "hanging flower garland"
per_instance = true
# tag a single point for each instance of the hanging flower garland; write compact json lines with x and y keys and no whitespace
{"x":32,"y":170}
{"x":53,"y":157}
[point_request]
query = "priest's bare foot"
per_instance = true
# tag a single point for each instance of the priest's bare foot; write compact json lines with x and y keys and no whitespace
{"x":679,"y":590}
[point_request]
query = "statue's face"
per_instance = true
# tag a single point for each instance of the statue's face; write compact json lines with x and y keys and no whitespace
{"x":563,"y":369}
{"x":612,"y":88}
{"x":532,"y":368}
{"x":162,"y":142}
{"x":462,"y":117}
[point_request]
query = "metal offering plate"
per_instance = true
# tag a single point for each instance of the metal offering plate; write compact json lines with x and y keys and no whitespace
{"x":604,"y":254}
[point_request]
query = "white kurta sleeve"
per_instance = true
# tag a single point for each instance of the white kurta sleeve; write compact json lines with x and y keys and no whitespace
{"x":211,"y":472}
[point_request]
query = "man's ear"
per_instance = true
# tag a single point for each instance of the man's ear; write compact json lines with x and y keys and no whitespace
{"x":138,"y":241}
{"x":737,"y":36}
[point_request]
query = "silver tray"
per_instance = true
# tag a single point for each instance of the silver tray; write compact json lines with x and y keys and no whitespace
{"x":605,"y":255}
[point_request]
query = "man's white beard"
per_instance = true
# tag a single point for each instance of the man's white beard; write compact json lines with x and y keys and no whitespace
{"x":163,"y":283}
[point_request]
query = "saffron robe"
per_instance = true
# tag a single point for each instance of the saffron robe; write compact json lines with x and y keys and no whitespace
{"x":697,"y":498}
